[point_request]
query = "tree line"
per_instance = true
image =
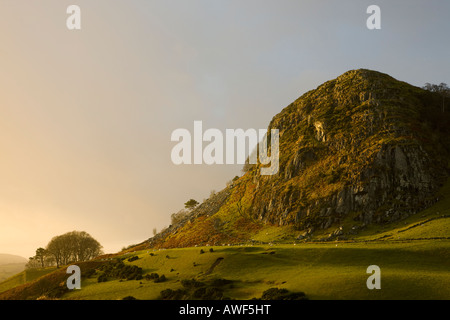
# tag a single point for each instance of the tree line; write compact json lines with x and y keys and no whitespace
{"x":66,"y":248}
{"x":441,"y":88}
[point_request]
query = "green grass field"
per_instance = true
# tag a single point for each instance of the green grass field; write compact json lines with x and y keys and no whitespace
{"x":24,"y":277}
{"x":409,"y":270}
{"x":8,"y":270}
{"x":413,"y":255}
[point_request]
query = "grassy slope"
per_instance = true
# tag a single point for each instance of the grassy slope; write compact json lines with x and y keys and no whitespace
{"x":414,"y":264}
{"x":412,"y":270}
{"x":8,"y":270}
{"x":24,"y":277}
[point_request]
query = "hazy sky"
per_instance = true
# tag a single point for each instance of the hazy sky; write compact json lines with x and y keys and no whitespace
{"x":86,"y":115}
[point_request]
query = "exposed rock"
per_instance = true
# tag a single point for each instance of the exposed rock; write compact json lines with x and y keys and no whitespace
{"x":363,"y":145}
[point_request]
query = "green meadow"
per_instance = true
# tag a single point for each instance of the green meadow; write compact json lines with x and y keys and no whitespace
{"x":413,"y":255}
{"x":409,"y":270}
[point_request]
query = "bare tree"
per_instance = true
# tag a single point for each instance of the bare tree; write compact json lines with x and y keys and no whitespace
{"x":32,"y":263}
{"x":441,"y":88}
{"x":178,"y":216}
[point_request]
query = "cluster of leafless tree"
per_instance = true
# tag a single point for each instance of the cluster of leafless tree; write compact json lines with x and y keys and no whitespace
{"x":441,"y":88}
{"x":67,"y":248}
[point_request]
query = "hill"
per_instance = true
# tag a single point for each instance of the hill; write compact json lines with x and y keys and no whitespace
{"x":10,"y":258}
{"x":363,"y":180}
{"x":10,"y":265}
{"x":363,"y":147}
{"x":413,"y":254}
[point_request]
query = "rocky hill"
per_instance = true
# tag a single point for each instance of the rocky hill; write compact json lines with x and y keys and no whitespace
{"x":363,"y":146}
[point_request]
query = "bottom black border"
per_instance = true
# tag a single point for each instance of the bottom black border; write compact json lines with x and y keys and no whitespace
{"x":155,"y":309}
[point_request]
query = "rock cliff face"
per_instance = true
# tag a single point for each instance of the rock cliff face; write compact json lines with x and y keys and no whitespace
{"x":363,"y":146}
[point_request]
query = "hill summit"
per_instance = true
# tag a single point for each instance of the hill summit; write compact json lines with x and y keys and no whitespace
{"x":363,"y":146}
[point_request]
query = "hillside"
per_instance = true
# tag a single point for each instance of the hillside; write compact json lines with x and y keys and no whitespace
{"x":413,"y":254}
{"x":23,"y":276}
{"x":10,"y":258}
{"x":363,"y":147}
{"x":11,"y":265}
{"x":363,"y":180}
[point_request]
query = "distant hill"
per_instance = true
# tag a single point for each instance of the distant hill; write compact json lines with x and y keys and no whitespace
{"x":10,"y":258}
{"x":11,"y":265}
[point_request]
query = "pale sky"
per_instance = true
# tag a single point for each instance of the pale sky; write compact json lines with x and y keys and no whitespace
{"x":86,"y":115}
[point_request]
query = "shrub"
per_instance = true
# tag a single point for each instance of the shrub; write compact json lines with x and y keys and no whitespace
{"x":199,"y":293}
{"x":117,"y":269}
{"x":282,"y":294}
{"x":179,"y":216}
{"x":162,"y":278}
{"x":102,"y":278}
{"x":208,"y":293}
{"x":89,"y":273}
{"x":133,"y":259}
{"x":170,"y":294}
{"x":191,"y":283}
{"x":220,"y":282}
{"x":151,"y":276}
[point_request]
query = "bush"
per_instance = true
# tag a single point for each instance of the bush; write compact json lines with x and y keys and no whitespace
{"x":117,"y":269}
{"x":179,"y":216}
{"x":162,"y":278}
{"x":199,"y":293}
{"x":208,"y":293}
{"x":89,"y":273}
{"x":170,"y":294}
{"x":151,"y":276}
{"x":282,"y":294}
{"x":129,"y":298}
{"x":102,"y":278}
{"x":133,"y":259}
{"x":191,"y":283}
{"x":220,"y":282}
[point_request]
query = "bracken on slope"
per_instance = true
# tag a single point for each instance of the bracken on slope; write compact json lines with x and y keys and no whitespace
{"x":363,"y":146}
